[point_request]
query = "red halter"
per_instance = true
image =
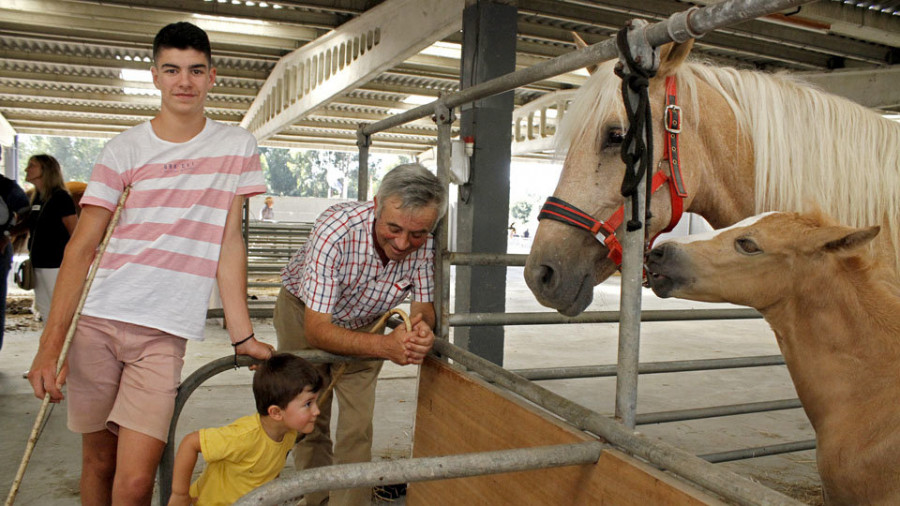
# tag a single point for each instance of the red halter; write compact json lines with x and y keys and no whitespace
{"x":560,"y":210}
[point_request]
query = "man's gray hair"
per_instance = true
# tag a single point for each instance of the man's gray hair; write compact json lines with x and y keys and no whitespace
{"x":416,"y":187}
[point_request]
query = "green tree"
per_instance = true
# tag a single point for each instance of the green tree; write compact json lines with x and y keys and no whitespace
{"x":280,"y":178}
{"x":312,"y":177}
{"x":76,"y":155}
{"x":521,"y":211}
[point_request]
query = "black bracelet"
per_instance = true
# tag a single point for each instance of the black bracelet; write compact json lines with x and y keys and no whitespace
{"x":235,"y":345}
{"x":244,"y":340}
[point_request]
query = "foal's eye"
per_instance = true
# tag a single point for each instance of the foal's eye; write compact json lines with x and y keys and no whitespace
{"x":747,"y":246}
{"x":614,"y":137}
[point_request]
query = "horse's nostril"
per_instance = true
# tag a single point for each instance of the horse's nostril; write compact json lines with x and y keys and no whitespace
{"x":546,"y":274}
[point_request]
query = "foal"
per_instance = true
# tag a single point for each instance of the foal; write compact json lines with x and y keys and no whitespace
{"x":837,"y":323}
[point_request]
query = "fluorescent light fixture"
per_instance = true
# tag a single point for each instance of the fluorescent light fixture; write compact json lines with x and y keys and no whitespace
{"x":141,"y":91}
{"x":445,"y":49}
{"x":206,"y":17}
{"x":141,"y":76}
{"x":418,"y":99}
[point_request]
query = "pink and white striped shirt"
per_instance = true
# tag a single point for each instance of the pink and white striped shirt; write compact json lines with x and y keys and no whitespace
{"x":338,"y":271}
{"x":160,"y":265}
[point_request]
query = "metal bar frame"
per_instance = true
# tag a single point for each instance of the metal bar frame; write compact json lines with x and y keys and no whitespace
{"x":679,"y":27}
{"x":727,"y":484}
{"x":600,"y":371}
{"x":288,"y":490}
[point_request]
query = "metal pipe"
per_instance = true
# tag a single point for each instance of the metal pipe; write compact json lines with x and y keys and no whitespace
{"x":444,"y":118}
{"x":548,"y":318}
{"x":760,"y":451}
{"x":363,"y":142}
{"x":712,"y":412}
{"x":599,"y":371}
{"x":509,"y":260}
{"x":337,"y":477}
{"x":197,"y":378}
{"x":721,"y":481}
{"x":633,"y":238}
{"x":679,"y":26}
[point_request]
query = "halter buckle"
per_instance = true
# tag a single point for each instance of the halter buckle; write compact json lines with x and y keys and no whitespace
{"x":673,"y":119}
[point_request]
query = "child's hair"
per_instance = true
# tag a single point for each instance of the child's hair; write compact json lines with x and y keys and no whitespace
{"x":182,"y":35}
{"x":282,"y":378}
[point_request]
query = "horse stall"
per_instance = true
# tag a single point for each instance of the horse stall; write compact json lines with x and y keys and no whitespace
{"x":465,"y":449}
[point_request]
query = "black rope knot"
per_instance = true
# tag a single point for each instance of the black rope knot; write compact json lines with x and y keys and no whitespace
{"x":636,"y":153}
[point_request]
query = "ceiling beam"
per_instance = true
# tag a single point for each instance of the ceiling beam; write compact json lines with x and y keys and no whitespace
{"x":274,"y":13}
{"x":145,"y":22}
{"x":353,"y":54}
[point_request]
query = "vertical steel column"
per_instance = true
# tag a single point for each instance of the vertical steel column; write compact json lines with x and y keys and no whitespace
{"x":488,"y":51}
{"x":444,"y":118}
{"x":632,"y":263}
{"x":363,"y":142}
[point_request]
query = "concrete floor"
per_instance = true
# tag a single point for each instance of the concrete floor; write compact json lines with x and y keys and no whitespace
{"x":52,"y":477}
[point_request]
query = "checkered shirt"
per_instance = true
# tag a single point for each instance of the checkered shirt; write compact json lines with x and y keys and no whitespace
{"x":338,"y":271}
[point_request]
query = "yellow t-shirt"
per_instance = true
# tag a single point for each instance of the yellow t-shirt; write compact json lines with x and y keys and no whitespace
{"x":239,"y":458}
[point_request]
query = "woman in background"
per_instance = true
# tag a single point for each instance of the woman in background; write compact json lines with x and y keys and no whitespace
{"x":51,"y":223}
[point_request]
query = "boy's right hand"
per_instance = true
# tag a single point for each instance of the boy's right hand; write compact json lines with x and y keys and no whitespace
{"x":177,"y":499}
{"x":42,"y":375}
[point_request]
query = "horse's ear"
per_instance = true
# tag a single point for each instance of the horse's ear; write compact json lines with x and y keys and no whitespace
{"x":672,"y":55}
{"x":845,"y":239}
{"x":581,"y":44}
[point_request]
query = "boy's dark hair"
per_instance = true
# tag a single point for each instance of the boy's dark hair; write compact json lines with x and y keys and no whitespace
{"x":182,"y":35}
{"x":282,"y":378}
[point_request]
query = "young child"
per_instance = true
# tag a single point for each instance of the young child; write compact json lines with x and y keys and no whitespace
{"x":251,"y":451}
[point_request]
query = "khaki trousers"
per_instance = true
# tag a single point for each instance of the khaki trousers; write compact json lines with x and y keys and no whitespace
{"x":355,"y":392}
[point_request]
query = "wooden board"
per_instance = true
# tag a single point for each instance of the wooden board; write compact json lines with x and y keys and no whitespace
{"x":457,"y":413}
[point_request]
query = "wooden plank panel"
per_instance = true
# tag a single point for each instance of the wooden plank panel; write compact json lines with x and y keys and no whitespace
{"x":460,"y":414}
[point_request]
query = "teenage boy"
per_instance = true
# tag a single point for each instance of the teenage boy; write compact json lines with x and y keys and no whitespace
{"x":251,"y":451}
{"x":178,"y":234}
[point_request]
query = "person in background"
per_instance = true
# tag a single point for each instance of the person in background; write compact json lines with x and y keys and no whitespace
{"x":361,"y":260}
{"x":51,"y":223}
{"x":250,"y":451}
{"x":15,"y":201}
{"x":267,"y":213}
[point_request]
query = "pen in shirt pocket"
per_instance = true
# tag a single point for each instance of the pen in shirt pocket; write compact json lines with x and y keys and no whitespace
{"x":403,"y":285}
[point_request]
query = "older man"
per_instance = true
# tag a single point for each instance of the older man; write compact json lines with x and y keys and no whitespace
{"x":362,"y":259}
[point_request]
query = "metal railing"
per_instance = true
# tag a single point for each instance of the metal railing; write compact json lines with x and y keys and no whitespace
{"x":679,"y":27}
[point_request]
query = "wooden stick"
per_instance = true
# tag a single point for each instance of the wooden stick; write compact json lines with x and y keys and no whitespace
{"x":376,"y":329}
{"x":42,"y":414}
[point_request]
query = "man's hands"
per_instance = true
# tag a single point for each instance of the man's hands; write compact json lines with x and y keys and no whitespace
{"x":404,"y":348}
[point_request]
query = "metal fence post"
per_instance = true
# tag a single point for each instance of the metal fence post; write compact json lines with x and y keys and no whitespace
{"x":444,"y":118}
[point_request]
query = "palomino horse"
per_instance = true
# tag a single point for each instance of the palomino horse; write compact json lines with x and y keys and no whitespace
{"x":837,"y":321}
{"x":749,"y":142}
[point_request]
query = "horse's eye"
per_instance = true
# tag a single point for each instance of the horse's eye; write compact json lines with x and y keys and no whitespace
{"x":747,"y":246}
{"x":615,"y":137}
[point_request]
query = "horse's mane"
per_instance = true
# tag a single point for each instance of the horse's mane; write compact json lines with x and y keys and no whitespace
{"x":809,"y":145}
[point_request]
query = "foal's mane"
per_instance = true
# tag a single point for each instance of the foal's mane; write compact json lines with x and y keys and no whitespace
{"x":809,"y":145}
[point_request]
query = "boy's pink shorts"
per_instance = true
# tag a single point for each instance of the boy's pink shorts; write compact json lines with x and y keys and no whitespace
{"x":123,"y":375}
